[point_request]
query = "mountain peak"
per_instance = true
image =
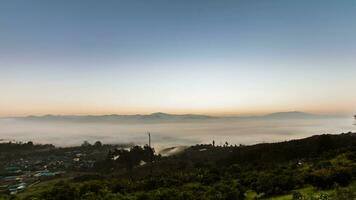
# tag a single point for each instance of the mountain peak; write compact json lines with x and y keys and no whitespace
{"x":290,"y":114}
{"x":159,"y":114}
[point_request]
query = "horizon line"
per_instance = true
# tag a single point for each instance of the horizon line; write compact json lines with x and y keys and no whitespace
{"x":171,"y":113}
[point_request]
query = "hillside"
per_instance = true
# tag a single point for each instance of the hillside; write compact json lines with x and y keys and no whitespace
{"x":318,"y":163}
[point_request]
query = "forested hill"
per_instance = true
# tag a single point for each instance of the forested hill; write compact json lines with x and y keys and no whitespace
{"x":324,"y":164}
{"x":307,"y":148}
{"x":323,"y":161}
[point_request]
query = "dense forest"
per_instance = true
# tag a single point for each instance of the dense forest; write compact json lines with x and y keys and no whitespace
{"x":207,"y":171}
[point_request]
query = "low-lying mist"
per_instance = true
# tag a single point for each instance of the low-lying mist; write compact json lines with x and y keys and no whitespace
{"x":234,"y":131}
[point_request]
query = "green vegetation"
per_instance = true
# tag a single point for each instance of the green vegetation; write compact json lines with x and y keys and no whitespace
{"x":318,"y":167}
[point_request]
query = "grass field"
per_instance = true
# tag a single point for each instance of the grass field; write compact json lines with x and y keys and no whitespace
{"x":307,"y":191}
{"x":40,"y":187}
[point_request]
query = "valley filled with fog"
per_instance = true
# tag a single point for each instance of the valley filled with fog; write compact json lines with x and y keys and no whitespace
{"x":167,"y":134}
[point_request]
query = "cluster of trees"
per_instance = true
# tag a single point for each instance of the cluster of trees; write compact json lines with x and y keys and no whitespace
{"x":338,"y":194}
{"x":126,"y":190}
{"x":20,"y":147}
{"x":121,"y":158}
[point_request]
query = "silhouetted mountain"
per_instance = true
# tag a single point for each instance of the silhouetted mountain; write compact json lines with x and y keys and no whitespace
{"x":163,"y":117}
{"x":291,"y":115}
{"x":154,"y":117}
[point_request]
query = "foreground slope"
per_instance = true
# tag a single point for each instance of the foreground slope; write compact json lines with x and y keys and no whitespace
{"x":314,"y":167}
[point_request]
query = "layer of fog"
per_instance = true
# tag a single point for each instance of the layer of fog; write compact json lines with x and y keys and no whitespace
{"x":172,"y":134}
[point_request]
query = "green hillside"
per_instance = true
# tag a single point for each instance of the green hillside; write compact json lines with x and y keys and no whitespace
{"x":318,"y":167}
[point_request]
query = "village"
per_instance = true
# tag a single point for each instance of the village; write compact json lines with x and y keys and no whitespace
{"x":29,"y":166}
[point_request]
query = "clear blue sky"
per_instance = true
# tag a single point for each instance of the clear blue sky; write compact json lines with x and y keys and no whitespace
{"x":214,"y":57}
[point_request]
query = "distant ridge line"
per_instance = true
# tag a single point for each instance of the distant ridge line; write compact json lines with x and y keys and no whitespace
{"x":164,"y":117}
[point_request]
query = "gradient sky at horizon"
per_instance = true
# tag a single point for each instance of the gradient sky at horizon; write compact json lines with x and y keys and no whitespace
{"x":209,"y":57}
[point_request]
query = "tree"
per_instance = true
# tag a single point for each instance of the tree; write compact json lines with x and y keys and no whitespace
{"x":86,"y":144}
{"x":98,"y":144}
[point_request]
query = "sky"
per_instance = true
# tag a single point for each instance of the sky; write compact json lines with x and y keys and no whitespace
{"x":223,"y":57}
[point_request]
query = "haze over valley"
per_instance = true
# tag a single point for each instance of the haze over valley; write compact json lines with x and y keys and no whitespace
{"x":170,"y":130}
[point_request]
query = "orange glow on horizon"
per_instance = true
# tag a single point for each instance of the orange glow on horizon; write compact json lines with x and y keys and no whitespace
{"x":147,"y":110}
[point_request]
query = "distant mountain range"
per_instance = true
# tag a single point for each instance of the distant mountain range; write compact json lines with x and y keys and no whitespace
{"x":293,"y":114}
{"x":154,"y":117}
{"x":163,"y":117}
